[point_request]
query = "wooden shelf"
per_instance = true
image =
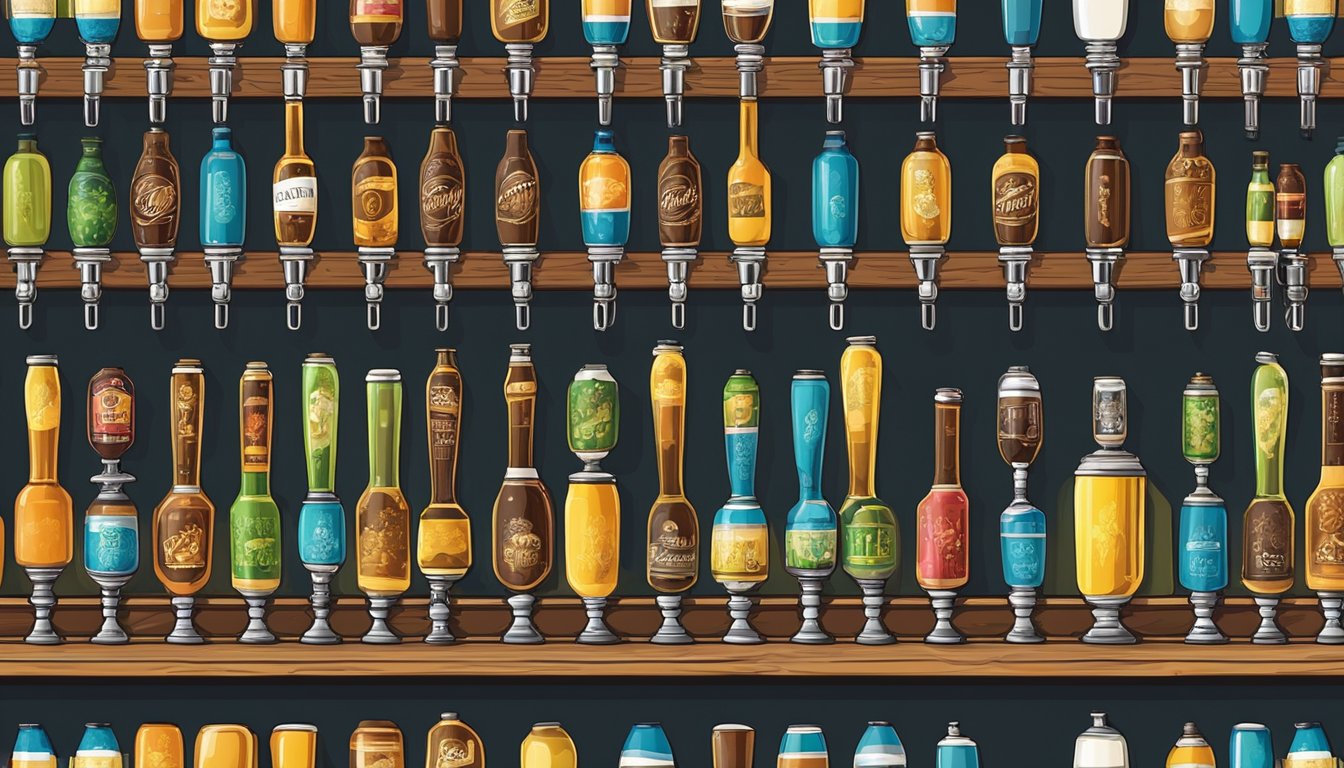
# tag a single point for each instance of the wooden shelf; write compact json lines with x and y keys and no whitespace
{"x":639,"y":77}
{"x":646,"y":271}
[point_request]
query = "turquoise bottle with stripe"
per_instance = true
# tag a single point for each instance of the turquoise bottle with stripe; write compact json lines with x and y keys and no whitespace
{"x":1249,"y":21}
{"x":835,"y":194}
{"x":604,"y":194}
{"x":837,"y":23}
{"x":810,"y":531}
{"x":880,"y":747}
{"x":646,"y":746}
{"x":31,"y":21}
{"x":803,"y":746}
{"x":98,"y":748}
{"x":223,"y":194}
{"x":1310,"y":22}
{"x":933,"y":23}
{"x":1310,"y":747}
{"x":957,"y":751}
{"x":97,"y":21}
{"x":1022,"y":22}
{"x":32,"y":748}
{"x":606,"y":22}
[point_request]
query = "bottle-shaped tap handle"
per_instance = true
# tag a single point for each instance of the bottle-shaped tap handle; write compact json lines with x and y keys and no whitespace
{"x":1110,"y":411}
{"x":741,"y":431}
{"x":810,"y":400}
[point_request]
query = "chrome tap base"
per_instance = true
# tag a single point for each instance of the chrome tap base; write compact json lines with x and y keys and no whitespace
{"x":522,"y":631}
{"x":159,"y":81}
{"x":374,"y":262}
{"x":835,"y":65}
{"x":320,"y":633}
{"x":89,"y":262}
{"x":1332,"y":604}
{"x":29,"y":75}
{"x":445,"y":66}
{"x":157,"y":261}
{"x":257,"y":633}
{"x":184,"y":629}
{"x":1191,"y":263}
{"x":836,"y":262}
{"x":521,"y":74}
{"x":519,"y":259}
{"x":874,"y":632}
{"x":1107,"y":629}
{"x":1105,"y":266}
{"x":1262,"y":263}
{"x":605,"y":62}
{"x":932,"y":65}
{"x":750,"y":265}
{"x":439,"y":262}
{"x":1205,"y":631}
{"x":1016,"y":262}
{"x":111,"y":633}
{"x":97,"y":61}
{"x":671,"y":632}
{"x":943,"y":602}
{"x":1020,"y":68}
{"x":1308,"y":86}
{"x":221,"y":261}
{"x":676,"y":60}
{"x":223,"y":61}
{"x":1190,"y":63}
{"x":678,"y":261}
{"x":750,"y":63}
{"x":740,"y":603}
{"x":26,"y":262}
{"x":43,"y":600}
{"x":926,"y":259}
{"x":1023,"y":602}
{"x":604,"y":260}
{"x":295,"y":262}
{"x":1103,"y":61}
{"x":294,"y":72}
{"x":1268,"y":633}
{"x":1338,"y":256}
{"x":1253,"y":70}
{"x":596,"y":631}
{"x":380,"y":633}
{"x":809,"y":602}
{"x":1293,"y":277}
{"x":372,"y":64}
{"x":440,"y":610}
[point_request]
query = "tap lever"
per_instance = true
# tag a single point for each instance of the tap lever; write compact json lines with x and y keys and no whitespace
{"x":926,"y":260}
{"x":750,"y":263}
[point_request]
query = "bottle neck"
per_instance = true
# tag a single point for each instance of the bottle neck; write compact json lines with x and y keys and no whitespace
{"x":947,"y":444}
{"x":668,"y":431}
{"x":741,"y":446}
{"x":445,"y":410}
{"x":1332,"y":425}
{"x":520,"y":392}
{"x":748,"y":128}
{"x":42,"y":455}
{"x":384,"y":435}
{"x":255,"y":483}
{"x":294,"y":128}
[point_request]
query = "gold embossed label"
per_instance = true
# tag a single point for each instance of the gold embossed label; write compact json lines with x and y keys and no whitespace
{"x":517,"y":201}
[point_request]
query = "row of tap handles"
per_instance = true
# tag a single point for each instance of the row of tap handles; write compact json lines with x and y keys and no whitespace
{"x":836,"y":27}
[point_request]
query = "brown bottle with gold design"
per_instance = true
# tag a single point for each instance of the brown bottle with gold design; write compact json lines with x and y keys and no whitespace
{"x":453,"y":744}
{"x":442,"y":191}
{"x":156,"y":195}
{"x":294,"y":187}
{"x":376,"y":22}
{"x":517,"y":194}
{"x":375,"y":196}
{"x":680,"y":204}
{"x":1190,"y":194}
{"x":1107,"y":195}
{"x":519,"y":21}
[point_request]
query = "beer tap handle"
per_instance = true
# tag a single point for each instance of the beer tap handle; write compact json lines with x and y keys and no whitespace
{"x":1191,"y":264}
{"x":750,"y":264}
{"x":445,"y":66}
{"x":926,"y":260}
{"x":604,"y":261}
{"x":835,"y":65}
{"x":1253,"y":70}
{"x":1308,"y":85}
{"x":1262,"y":263}
{"x":26,"y":262}
{"x":674,"y":65}
{"x":439,"y":262}
{"x":678,"y":262}
{"x":836,"y":263}
{"x":29,"y":76}
{"x":372,"y":63}
{"x":1019,"y":83}
{"x":521,"y":74}
{"x":221,"y":263}
{"x":222,"y":63}
{"x":1190,"y":63}
{"x":1293,"y":277}
{"x":519,"y":260}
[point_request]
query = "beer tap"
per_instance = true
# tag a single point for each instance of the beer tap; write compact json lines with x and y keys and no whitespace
{"x":91,"y":216}
{"x":518,"y":219}
{"x":673,"y":534}
{"x":159,"y":24}
{"x":749,"y":211}
{"x":97,"y":22}
{"x":1334,"y":204}
{"x":933,"y":29}
{"x":1249,"y":23}
{"x":376,"y":25}
{"x":382,"y":516}
{"x":223,"y":217}
{"x":1268,"y":536}
{"x":523,"y":518}
{"x":1109,"y":489}
{"x":872,"y":538}
{"x":1203,"y":527}
{"x":942,"y":519}
{"x":747,"y":22}
{"x":111,"y":532}
{"x":1325,"y":566}
{"x":1290,"y":204}
{"x":835,"y":218}
{"x":1022,"y":528}
{"x":593,"y":504}
{"x":675,"y":24}
{"x":1190,"y":188}
{"x":1106,"y":222}
{"x":156,"y":200}
{"x":520,"y":24}
{"x":294,"y":210}
{"x":295,"y":26}
{"x":27,"y":219}
{"x":1100,"y":24}
{"x":1261,"y":259}
{"x":254,"y":518}
{"x":443,"y":545}
{"x":442,"y":215}
{"x":184,"y":521}
{"x":739,"y":551}
{"x":836,"y":26}
{"x":376,"y":220}
{"x":606,"y":26}
{"x":681,"y":209}
{"x":926,"y":217}
{"x":444,"y":19}
{"x":604,"y":210}
{"x":1016,"y":201}
{"x":43,"y":511}
{"x":30,"y":21}
{"x":1189,"y":24}
{"x":322,"y":516}
{"x":811,"y":531}
{"x":1021,"y":30}
{"x":224,"y":26}
{"x":1310,"y":23}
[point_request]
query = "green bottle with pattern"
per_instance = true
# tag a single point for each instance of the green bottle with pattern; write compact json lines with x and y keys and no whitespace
{"x":27,"y":196}
{"x":254,"y":518}
{"x":91,"y":213}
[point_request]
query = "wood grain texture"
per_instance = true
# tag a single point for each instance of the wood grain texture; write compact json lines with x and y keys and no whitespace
{"x":646,"y":271}
{"x":712,"y":77}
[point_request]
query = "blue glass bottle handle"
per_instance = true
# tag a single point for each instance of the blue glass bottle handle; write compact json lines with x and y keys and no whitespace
{"x":741,"y":447}
{"x":811,"y":407}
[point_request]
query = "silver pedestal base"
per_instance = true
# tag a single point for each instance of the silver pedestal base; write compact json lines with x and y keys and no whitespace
{"x":111,"y":632}
{"x":184,"y":631}
{"x":596,"y":631}
{"x":380,"y":633}
{"x":671,"y":632}
{"x":943,"y":632}
{"x":1023,"y":601}
{"x":440,"y":611}
{"x":1205,"y":632}
{"x":1268,"y":633}
{"x":320,"y":633}
{"x":740,"y":632}
{"x":1331,"y":604}
{"x":522,"y":631}
{"x":257,"y":632}
{"x":1106,"y":627}
{"x":43,"y":601}
{"x":874,"y":598}
{"x":811,"y":633}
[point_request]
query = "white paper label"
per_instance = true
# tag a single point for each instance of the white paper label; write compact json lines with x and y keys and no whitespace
{"x":297,"y":195}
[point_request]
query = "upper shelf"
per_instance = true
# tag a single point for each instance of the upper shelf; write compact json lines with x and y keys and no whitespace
{"x":784,"y":77}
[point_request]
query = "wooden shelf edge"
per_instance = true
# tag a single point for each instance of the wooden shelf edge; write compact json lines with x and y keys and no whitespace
{"x":712,"y":77}
{"x":570,"y":271}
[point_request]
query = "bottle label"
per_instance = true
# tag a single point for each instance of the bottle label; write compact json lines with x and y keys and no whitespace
{"x":605,"y":194}
{"x":42,"y":400}
{"x":445,"y":409}
{"x":810,"y":550}
{"x":523,"y":548}
{"x":672,"y":555}
{"x":256,"y":425}
{"x":746,"y":200}
{"x":110,"y":412}
{"x":518,"y":11}
{"x":32,"y":9}
{"x":374,"y":11}
{"x":376,"y":197}
{"x":942,"y":540}
{"x":256,"y":546}
{"x":1333,"y":421}
{"x":592,"y":415}
{"x":1015,"y":203}
{"x":296,"y":195}
{"x":517,"y":202}
{"x":223,"y":198}
{"x":739,"y":552}
{"x":441,"y":199}
{"x":153,"y":200}
{"x":678,"y":200}
{"x":870,"y":544}
{"x":183,"y":543}
{"x":445,"y":544}
{"x":1190,"y":203}
{"x":110,"y":543}
{"x":1268,"y":542}
{"x":232,"y":11}
{"x":1200,"y":428}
